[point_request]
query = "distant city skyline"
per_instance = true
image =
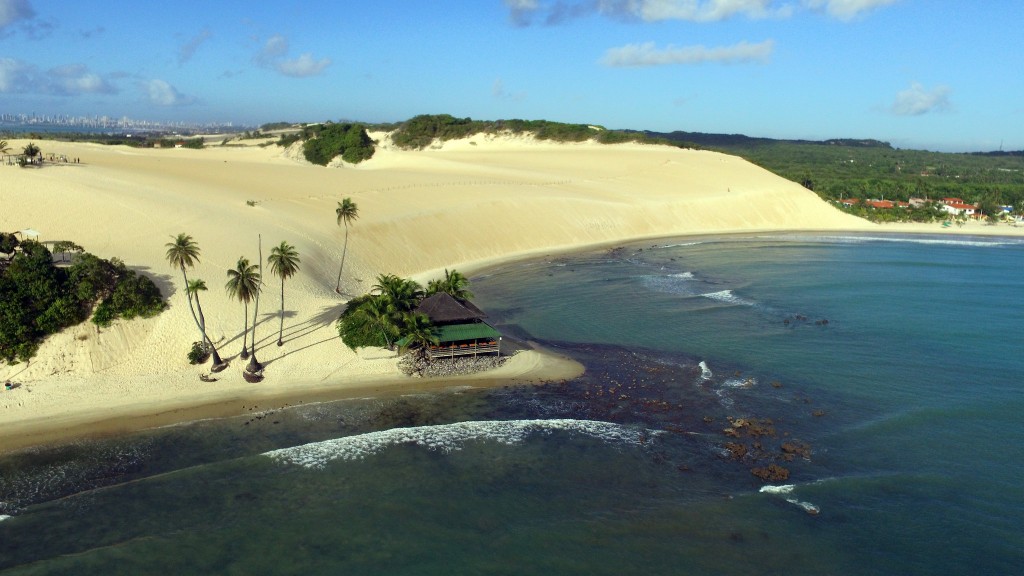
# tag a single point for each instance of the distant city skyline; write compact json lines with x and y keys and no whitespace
{"x":937,"y":75}
{"x":102,"y":122}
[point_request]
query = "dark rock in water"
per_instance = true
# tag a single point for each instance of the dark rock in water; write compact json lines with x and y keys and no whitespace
{"x":771,"y":473}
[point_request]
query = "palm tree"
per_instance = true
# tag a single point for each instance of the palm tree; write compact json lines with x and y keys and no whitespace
{"x":181,"y":253}
{"x":419,"y":330}
{"x":31,"y":150}
{"x":284,"y":263}
{"x":347,"y":212}
{"x":4,"y":147}
{"x":379,"y":314}
{"x":402,"y":294}
{"x":455,"y":284}
{"x":243,"y":284}
{"x":195,"y":286}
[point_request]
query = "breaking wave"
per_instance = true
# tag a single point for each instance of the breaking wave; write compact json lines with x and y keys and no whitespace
{"x":728,"y":297}
{"x":670,"y":283}
{"x":705,"y":372}
{"x":449,"y":437}
{"x":3,"y":517}
{"x":785,"y":491}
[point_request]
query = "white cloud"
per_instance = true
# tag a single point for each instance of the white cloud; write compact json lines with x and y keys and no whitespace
{"x":302,"y":66}
{"x":708,"y":11}
{"x":551,"y":12}
{"x":13,"y":10}
{"x":275,"y":47}
{"x":273,"y":56}
{"x":21,"y":77}
{"x":13,"y":75}
{"x":188,"y":49}
{"x":917,"y":100}
{"x":634,"y":55}
{"x":847,"y":9}
{"x":161,"y":93}
{"x":75,"y":79}
{"x":519,"y":11}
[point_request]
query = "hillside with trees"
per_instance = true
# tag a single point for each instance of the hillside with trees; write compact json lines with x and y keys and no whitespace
{"x":846,"y":168}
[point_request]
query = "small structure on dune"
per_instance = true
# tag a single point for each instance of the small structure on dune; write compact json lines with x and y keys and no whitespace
{"x":459,"y":327}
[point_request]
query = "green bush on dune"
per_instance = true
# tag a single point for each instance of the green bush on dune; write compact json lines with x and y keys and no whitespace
{"x":38,"y":298}
{"x":324,"y":142}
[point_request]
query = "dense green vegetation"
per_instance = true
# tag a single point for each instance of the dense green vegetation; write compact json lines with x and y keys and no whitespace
{"x":387,"y":314}
{"x":838,"y":169}
{"x":39,"y":298}
{"x":276,"y":126}
{"x":326,"y":141}
{"x":184,"y":143}
{"x":420,"y":131}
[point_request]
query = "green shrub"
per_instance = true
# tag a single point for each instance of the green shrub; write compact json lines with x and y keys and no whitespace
{"x":326,"y":141}
{"x":38,"y":299}
{"x":354,"y":328}
{"x":199,"y":353}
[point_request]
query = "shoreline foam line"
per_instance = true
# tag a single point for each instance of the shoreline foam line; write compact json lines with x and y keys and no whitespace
{"x":449,"y":437}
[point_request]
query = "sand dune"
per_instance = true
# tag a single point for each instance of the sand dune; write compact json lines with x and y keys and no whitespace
{"x":467,"y":204}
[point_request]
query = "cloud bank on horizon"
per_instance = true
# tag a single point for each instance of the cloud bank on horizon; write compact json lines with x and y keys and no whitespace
{"x":933,"y":75}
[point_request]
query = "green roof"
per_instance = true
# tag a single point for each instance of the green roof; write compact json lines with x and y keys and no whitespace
{"x":458,"y":332}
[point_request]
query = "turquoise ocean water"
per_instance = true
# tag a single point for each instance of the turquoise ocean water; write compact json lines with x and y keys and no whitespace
{"x":884,"y":374}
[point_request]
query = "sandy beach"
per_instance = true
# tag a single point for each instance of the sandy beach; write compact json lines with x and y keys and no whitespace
{"x":468,"y":205}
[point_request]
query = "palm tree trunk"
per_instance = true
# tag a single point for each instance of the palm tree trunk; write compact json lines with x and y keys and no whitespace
{"x":218,"y":364}
{"x":280,"y":332}
{"x":344,"y":251}
{"x":245,"y":334}
{"x":256,"y":311}
{"x":190,"y":307}
{"x":254,"y":366}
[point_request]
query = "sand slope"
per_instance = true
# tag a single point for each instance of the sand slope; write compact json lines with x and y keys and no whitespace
{"x":465,"y":205}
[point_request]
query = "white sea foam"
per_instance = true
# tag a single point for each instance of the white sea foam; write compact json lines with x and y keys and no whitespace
{"x":740,"y":383}
{"x":680,"y":245}
{"x":705,"y":372}
{"x":3,"y":517}
{"x":728,"y":297}
{"x":670,"y":283}
{"x":787,"y":489}
{"x":783,"y":489}
{"x":960,"y":241}
{"x":449,"y":437}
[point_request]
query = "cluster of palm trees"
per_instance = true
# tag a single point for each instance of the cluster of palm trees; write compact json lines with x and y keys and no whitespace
{"x":30,"y":150}
{"x":390,"y":308}
{"x":244,"y":284}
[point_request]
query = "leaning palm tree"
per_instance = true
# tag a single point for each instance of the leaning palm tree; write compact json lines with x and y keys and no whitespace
{"x":347,"y":212}
{"x":284,"y":263}
{"x":195,"y":286}
{"x":181,"y":253}
{"x":243,"y":284}
{"x":4,"y":147}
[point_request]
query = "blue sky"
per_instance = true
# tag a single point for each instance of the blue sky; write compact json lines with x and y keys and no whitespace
{"x":934,"y":74}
